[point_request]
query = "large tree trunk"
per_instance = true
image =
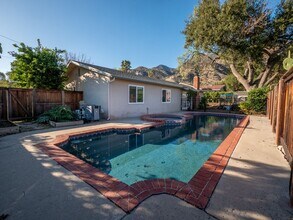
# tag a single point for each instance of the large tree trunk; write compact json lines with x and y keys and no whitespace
{"x":240,"y":78}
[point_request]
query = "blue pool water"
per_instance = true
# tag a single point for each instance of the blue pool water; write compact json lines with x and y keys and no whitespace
{"x":166,"y":152}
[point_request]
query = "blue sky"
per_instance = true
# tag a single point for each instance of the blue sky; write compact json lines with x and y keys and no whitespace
{"x":146,"y":32}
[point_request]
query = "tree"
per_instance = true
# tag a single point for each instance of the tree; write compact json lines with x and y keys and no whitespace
{"x":2,"y":76}
{"x":38,"y":67}
{"x":125,"y":65}
{"x":232,"y":84}
{"x":151,"y":73}
{"x":246,"y":34}
{"x":4,"y":81}
{"x":73,"y":56}
{"x":1,"y":51}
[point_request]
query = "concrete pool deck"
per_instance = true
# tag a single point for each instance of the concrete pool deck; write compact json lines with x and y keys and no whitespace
{"x":33,"y":186}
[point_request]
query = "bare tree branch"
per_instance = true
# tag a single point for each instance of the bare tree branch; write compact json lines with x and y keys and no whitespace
{"x":245,"y":73}
{"x":272,"y":78}
{"x":239,"y":77}
{"x":264,"y":76}
{"x":254,"y":23}
{"x":258,"y":78}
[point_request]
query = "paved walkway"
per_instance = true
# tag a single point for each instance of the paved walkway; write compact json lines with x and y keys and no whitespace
{"x":256,"y":181}
{"x":33,"y":186}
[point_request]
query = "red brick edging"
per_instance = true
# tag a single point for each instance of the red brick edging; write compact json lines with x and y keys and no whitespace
{"x":197,"y":191}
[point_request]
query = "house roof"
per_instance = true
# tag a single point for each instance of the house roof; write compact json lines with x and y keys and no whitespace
{"x":213,"y":87}
{"x":124,"y":75}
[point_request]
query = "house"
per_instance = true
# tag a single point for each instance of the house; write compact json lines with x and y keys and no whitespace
{"x":214,"y":87}
{"x":121,"y":94}
{"x":197,"y":85}
{"x":241,"y":96}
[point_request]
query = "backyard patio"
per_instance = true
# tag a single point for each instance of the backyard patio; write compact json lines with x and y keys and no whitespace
{"x":253,"y":185}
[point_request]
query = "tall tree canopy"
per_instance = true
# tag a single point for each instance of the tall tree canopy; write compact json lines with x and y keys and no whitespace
{"x":246,"y":34}
{"x":125,"y":65}
{"x":38,"y":67}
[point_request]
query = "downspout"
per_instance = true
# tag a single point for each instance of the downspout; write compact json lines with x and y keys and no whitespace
{"x":109,"y":115}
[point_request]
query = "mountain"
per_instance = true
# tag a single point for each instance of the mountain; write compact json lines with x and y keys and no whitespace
{"x":166,"y":70}
{"x":210,"y":71}
{"x":158,"y":72}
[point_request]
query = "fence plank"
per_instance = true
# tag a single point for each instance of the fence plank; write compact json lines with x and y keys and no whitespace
{"x":272,"y":105}
{"x":280,"y":112}
{"x":7,"y":105}
{"x":17,"y":103}
{"x":275,"y":108}
{"x":20,"y":104}
{"x":268,"y":104}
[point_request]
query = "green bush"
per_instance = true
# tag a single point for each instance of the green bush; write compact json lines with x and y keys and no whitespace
{"x":203,"y":103}
{"x":256,"y":102}
{"x":214,"y":96}
{"x":58,"y":114}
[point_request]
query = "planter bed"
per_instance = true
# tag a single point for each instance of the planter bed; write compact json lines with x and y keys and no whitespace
{"x":65,"y":123}
{"x":8,"y":127}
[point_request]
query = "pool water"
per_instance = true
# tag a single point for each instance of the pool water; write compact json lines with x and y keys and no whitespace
{"x":166,"y":152}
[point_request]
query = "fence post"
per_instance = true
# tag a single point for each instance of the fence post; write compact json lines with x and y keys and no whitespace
{"x":62,"y":97}
{"x":275,"y":108}
{"x":268,"y":104}
{"x":280,"y":112}
{"x":33,"y":102}
{"x":7,"y":104}
{"x":271,"y":98}
{"x":272,"y":105}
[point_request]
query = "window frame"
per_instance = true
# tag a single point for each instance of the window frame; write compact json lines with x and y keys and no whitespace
{"x":166,"y":95}
{"x":143,"y":94}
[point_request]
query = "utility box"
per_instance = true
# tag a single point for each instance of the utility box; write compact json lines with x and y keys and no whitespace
{"x":92,"y":112}
{"x":96,"y":112}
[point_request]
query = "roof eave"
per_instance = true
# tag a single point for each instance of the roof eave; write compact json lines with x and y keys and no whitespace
{"x":88,"y":68}
{"x":155,"y":83}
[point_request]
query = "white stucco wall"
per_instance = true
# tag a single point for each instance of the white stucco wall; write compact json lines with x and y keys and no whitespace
{"x":94,"y":87}
{"x":120,"y":108}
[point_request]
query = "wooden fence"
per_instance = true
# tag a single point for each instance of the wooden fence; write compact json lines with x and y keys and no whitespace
{"x":280,"y":112}
{"x":16,"y":103}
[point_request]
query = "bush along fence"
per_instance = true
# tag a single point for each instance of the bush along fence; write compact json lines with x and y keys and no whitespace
{"x":280,"y":112}
{"x":16,"y":103}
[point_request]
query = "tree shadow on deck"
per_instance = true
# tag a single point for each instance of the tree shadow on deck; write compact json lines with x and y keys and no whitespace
{"x":252,"y":190}
{"x":33,"y":186}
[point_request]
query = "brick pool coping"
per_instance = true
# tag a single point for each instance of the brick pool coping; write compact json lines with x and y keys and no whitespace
{"x":197,"y":191}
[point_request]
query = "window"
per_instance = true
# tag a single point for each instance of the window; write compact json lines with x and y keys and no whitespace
{"x":166,"y":95}
{"x":136,"y":94}
{"x":134,"y":141}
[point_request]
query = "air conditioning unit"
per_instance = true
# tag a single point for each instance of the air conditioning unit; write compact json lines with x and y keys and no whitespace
{"x":91,"y":112}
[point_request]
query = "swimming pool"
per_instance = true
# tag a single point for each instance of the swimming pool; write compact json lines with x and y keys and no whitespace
{"x":197,"y":191}
{"x":166,"y":152}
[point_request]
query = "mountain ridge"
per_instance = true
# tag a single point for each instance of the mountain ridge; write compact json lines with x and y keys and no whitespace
{"x":209,"y":70}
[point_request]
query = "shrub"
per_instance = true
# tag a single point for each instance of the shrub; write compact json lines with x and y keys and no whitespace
{"x":58,"y":114}
{"x":214,"y":96}
{"x":203,"y":103}
{"x":256,"y":101}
